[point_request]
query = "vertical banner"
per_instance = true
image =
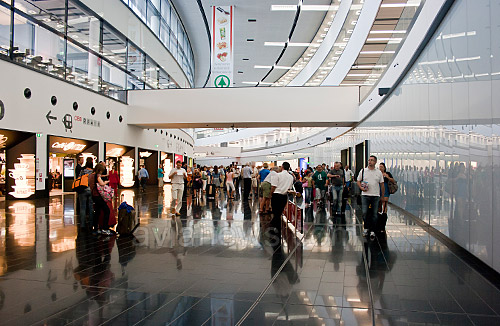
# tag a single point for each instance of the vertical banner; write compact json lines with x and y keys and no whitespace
{"x":222,"y":46}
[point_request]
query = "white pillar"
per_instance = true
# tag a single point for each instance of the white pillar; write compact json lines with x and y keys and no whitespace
{"x":94,"y":63}
{"x":41,"y":161}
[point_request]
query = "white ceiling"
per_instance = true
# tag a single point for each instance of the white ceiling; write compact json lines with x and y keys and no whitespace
{"x":271,"y":26}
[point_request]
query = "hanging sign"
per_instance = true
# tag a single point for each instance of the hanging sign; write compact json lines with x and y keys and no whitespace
{"x":222,"y":46}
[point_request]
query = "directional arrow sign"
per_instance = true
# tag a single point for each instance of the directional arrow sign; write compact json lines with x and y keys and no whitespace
{"x":50,"y":117}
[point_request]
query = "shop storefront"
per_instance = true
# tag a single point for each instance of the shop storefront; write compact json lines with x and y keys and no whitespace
{"x":63,"y":158}
{"x":178,"y":158}
{"x":17,"y":164}
{"x":122,"y":159}
{"x":149,"y":159}
{"x":167,"y":160}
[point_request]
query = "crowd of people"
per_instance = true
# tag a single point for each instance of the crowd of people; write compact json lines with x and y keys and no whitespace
{"x":270,"y":186}
{"x":317,"y":186}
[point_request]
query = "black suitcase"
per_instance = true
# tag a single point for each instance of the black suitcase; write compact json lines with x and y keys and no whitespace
{"x":126,"y":222}
{"x":211,"y":191}
{"x":381,"y":222}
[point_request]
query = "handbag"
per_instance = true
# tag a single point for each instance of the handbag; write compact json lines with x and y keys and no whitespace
{"x":106,"y":192}
{"x":393,"y":186}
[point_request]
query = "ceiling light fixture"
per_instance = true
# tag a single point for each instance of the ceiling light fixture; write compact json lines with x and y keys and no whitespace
{"x":376,"y":52}
{"x":304,"y":7}
{"x":383,"y":39}
{"x":388,"y":32}
{"x":400,"y":5}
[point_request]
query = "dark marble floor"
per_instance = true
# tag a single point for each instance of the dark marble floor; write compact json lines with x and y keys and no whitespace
{"x":218,"y":264}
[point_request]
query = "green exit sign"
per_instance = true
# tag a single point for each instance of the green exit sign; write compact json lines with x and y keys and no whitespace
{"x":39,"y":135}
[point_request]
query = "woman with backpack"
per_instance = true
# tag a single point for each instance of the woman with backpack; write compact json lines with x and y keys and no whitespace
{"x":85,"y":196}
{"x":384,"y":197}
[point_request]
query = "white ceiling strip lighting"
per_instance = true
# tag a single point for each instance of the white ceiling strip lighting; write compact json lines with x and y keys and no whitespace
{"x":325,"y":47}
{"x":405,"y":53}
{"x":388,"y":32}
{"x":355,"y":44}
{"x":269,"y":67}
{"x":304,"y":7}
{"x":401,"y":5}
{"x":282,"y":44}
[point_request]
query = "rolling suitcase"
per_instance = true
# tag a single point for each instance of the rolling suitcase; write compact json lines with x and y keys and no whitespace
{"x":211,"y":191}
{"x":126,"y":220}
{"x":381,"y":222}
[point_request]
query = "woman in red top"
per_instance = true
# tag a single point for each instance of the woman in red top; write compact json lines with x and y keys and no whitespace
{"x":114,"y":179}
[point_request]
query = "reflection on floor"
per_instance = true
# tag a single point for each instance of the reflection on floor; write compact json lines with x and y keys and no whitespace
{"x":218,"y":264}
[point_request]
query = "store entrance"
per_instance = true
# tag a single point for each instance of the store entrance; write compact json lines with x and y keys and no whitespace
{"x":121,"y":159}
{"x":17,"y":164}
{"x":64,"y":154}
{"x":149,"y":159}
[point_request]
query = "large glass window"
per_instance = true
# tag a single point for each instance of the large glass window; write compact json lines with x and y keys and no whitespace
{"x":83,"y":67}
{"x":37,"y":47}
{"x":114,"y":46}
{"x":139,"y":7}
{"x":133,"y":83}
{"x":94,"y":55}
{"x":164,"y":34}
{"x":156,"y":4}
{"x":161,"y":17}
{"x":165,"y":11}
{"x":173,"y":25}
{"x":83,"y":27}
{"x":153,"y":20}
{"x":50,"y":12}
{"x":163,"y":80}
{"x":4,"y":31}
{"x":135,"y":61}
{"x":173,"y":47}
{"x":114,"y":81}
{"x":151,"y":73}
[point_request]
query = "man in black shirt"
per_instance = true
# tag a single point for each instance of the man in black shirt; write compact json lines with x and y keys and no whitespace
{"x":337,"y":179}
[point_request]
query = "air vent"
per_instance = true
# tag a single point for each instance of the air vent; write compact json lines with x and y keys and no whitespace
{"x":250,"y":40}
{"x":240,"y":72}
{"x":245,"y":59}
{"x":252,"y":20}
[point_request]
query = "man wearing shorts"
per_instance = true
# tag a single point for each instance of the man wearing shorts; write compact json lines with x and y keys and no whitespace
{"x":319,"y":183}
{"x":266,"y":191}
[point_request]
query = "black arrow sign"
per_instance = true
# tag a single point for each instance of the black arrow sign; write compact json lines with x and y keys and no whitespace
{"x":49,"y":117}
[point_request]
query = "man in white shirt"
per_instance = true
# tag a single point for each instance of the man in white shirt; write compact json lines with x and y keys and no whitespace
{"x":247,"y":180}
{"x":371,"y":183}
{"x":177,"y":175}
{"x":280,"y":184}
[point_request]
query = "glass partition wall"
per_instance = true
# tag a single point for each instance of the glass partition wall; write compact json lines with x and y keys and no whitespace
{"x":66,"y":40}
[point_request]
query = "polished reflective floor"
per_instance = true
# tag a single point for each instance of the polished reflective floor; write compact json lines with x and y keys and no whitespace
{"x":219,"y":264}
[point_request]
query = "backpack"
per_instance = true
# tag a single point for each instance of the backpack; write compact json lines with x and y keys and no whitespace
{"x":81,"y":183}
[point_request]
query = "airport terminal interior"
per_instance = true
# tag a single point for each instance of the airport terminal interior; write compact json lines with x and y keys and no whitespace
{"x":217,"y":162}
